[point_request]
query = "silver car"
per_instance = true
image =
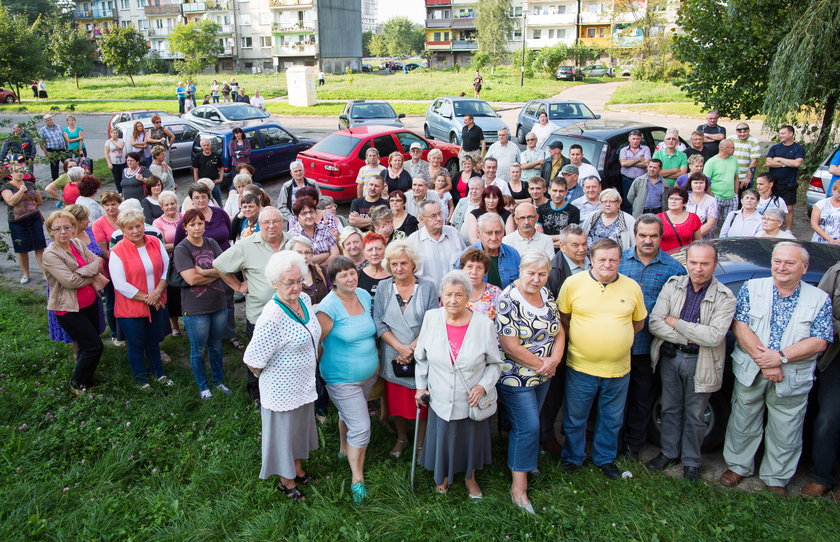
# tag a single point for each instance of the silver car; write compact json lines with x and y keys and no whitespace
{"x":445,"y":119}
{"x":361,"y":112}
{"x":184,"y":130}
{"x":820,"y":181}
{"x":213,"y":114}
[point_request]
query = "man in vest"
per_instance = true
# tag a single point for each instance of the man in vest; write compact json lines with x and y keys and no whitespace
{"x":781,"y":324}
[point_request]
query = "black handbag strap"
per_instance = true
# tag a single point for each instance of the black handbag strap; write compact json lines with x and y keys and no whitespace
{"x":668,"y":218}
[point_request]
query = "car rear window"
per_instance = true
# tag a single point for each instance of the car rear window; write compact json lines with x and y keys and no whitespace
{"x":569,"y":111}
{"x":243,"y":112}
{"x":373,"y":111}
{"x":147,"y":114}
{"x":216,"y":143}
{"x":591,"y":148}
{"x":337,"y":144}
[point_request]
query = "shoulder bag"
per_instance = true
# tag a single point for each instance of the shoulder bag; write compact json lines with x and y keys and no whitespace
{"x":488,"y":403}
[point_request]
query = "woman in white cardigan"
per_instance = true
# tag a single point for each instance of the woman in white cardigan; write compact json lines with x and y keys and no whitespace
{"x":457,"y":373}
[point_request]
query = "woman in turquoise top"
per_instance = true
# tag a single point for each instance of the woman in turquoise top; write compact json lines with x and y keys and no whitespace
{"x":74,"y":136}
{"x":349,"y":363}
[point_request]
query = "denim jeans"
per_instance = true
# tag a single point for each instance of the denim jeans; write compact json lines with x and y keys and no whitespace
{"x":143,"y":337}
{"x":113,"y":328}
{"x":522,"y":407}
{"x":217,"y":194}
{"x":205,"y":332}
{"x":581,"y":392}
{"x":827,"y":426}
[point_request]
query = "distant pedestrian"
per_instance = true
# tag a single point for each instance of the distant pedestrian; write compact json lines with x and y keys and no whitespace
{"x":478,"y":81}
{"x":214,"y":91}
{"x":206,"y":99}
{"x":321,"y":78}
{"x":225,"y":91}
{"x":181,"y":93}
{"x":234,"y":89}
{"x":42,"y":90}
{"x":34,"y":89}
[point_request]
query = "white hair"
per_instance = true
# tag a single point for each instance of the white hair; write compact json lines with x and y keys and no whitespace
{"x":487,"y":218}
{"x":609,"y":193}
{"x":534,"y":256}
{"x":130,"y":203}
{"x":203,"y":139}
{"x":806,"y":257}
{"x":268,"y":209}
{"x":242,"y":179}
{"x":456,"y":277}
{"x":75,"y":173}
{"x":296,"y":164}
{"x":166,"y":195}
{"x":672,"y":131}
{"x":280,"y":263}
{"x":302,"y":239}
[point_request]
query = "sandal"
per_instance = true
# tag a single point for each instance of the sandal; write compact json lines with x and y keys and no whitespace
{"x":359,"y":492}
{"x":399,"y":448}
{"x":236,"y":344}
{"x":291,"y":492}
{"x":305,"y":480}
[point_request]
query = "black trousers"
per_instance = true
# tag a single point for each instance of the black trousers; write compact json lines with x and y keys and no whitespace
{"x":55,"y":163}
{"x":252,"y":383}
{"x":552,"y":404}
{"x":640,"y":398}
{"x":83,"y":328}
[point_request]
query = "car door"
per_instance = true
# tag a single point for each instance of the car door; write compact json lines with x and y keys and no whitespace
{"x":434,"y":119}
{"x":405,"y":140}
{"x":528,"y":116}
{"x":385,"y":144}
{"x":278,"y":149}
{"x":447,"y":121}
{"x":180,"y":152}
{"x":345,"y":113}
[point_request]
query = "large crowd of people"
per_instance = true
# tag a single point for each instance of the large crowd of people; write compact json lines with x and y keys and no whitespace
{"x":516,"y":288}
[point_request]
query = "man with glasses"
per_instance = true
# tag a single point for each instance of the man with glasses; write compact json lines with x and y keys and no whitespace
{"x":713,"y":133}
{"x":525,"y":236}
{"x":531,"y":159}
{"x":505,"y":152}
{"x":674,"y":161}
{"x":746,"y":152}
{"x":634,"y":160}
{"x":249,"y":256}
{"x":436,"y":243}
{"x":416,"y":165}
{"x":160,"y":135}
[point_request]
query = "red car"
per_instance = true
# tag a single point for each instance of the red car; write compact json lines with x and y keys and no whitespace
{"x":7,"y":96}
{"x":335,"y":161}
{"x":124,"y":116}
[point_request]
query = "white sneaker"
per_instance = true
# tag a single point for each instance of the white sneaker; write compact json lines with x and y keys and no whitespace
{"x":224,"y":389}
{"x":117,"y":342}
{"x":205,"y":394}
{"x":24,"y":280}
{"x":165,"y":380}
{"x":145,"y":386}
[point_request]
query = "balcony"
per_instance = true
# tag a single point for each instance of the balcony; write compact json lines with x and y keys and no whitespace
{"x":463,"y":22}
{"x":227,"y":51}
{"x":283,"y":4}
{"x":464,"y":45}
{"x":438,"y":23}
{"x":439,"y":45}
{"x":94,"y":14}
{"x":438,"y":2}
{"x":169,"y":55}
{"x":152,"y":11}
{"x":195,"y":7}
{"x":292,"y":28}
{"x":555,"y":19}
{"x":225,"y":29}
{"x":596,"y":42}
{"x":295,"y":49}
{"x":158,"y":32}
{"x":218,"y":5}
{"x":588,"y":17}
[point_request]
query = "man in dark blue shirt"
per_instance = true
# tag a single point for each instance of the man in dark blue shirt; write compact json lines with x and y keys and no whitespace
{"x":784,"y":160}
{"x":472,"y":138}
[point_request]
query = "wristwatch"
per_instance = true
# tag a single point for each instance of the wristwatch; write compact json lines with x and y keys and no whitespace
{"x":783,"y":357}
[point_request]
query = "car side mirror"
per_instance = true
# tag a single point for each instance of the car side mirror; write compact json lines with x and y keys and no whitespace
{"x":344,"y":119}
{"x":401,"y":116}
{"x":597,"y":116}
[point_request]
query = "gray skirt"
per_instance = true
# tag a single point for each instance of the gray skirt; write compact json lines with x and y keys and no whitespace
{"x":455,"y":446}
{"x":286,"y":437}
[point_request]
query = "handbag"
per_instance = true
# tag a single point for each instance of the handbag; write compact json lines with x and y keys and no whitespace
{"x":174,"y":278}
{"x":403,"y":370}
{"x":487,"y":404}
{"x":668,"y":218}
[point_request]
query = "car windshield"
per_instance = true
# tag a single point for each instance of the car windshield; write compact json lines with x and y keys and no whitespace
{"x":569,"y":111}
{"x":591,"y":148}
{"x":147,"y":114}
{"x":474,"y":108}
{"x":337,"y":144}
{"x":243,"y":112}
{"x":373,"y":111}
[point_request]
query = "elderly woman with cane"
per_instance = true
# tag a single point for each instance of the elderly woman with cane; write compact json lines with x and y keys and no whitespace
{"x":457,"y":373}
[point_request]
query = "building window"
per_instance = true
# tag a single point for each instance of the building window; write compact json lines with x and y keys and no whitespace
{"x":561,"y":9}
{"x":268,"y":65}
{"x":517,"y":35}
{"x":125,"y":4}
{"x":265,"y":41}
{"x":245,"y":19}
{"x":516,"y":11}
{"x":561,"y":33}
{"x":247,"y":43}
{"x":437,"y":36}
{"x":537,"y":34}
{"x":551,"y":33}
{"x":446,"y":36}
{"x":141,"y":4}
{"x":142,"y":24}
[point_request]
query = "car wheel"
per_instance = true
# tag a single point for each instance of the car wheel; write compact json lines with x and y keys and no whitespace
{"x":426,"y":132}
{"x":452,"y":166}
{"x":716,"y":418}
{"x":10,"y":99}
{"x":520,"y":135}
{"x":453,"y":138}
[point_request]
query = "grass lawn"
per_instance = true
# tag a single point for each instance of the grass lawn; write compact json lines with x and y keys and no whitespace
{"x":640,"y":92}
{"x":99,"y":106}
{"x":681,"y":109}
{"x":122,"y":464}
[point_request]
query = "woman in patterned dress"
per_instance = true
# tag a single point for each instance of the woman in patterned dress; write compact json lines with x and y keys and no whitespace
{"x":532,"y":339}
{"x":485,"y":296}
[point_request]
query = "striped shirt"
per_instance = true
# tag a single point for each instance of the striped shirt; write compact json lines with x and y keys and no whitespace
{"x":745,"y":151}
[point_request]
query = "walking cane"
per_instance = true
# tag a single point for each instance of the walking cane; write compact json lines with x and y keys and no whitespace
{"x":425,"y":400}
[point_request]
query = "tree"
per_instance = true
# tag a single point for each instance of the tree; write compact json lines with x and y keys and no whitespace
{"x":71,"y":50}
{"x":548,"y":59}
{"x":581,"y":54}
{"x":32,"y":9}
{"x":197,"y":43}
{"x":805,"y":72}
{"x":377,"y":46}
{"x":646,"y":28}
{"x":367,"y":37}
{"x":729,"y":47}
{"x":22,"y":57}
{"x":123,"y":48}
{"x":495,"y":27}
{"x":401,"y":37}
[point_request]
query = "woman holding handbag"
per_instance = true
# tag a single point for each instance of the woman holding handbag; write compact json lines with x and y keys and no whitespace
{"x":680,"y":227}
{"x":458,"y":432}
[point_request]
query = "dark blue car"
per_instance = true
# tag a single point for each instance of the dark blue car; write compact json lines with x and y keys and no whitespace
{"x":273,"y":148}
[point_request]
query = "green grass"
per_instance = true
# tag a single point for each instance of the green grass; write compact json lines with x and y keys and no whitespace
{"x":99,"y":106}
{"x":680,"y":109}
{"x":121,"y":464}
{"x":639,"y":92}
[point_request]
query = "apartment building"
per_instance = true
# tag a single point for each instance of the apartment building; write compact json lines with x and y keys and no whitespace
{"x":255,"y":36}
{"x":370,"y":15}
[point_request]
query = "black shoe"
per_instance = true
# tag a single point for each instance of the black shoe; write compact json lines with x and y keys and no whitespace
{"x":692,"y":474}
{"x":611,"y":471}
{"x":629,"y":453}
{"x":660,"y":462}
{"x":569,"y":468}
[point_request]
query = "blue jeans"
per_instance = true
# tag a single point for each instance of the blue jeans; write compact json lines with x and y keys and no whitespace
{"x":115,"y":331}
{"x":143,"y":337}
{"x":581,"y":391}
{"x":217,"y":194}
{"x":522,"y":408}
{"x":206,"y":331}
{"x":827,"y":426}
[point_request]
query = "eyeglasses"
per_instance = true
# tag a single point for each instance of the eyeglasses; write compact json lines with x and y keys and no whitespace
{"x":157,"y":122}
{"x":275,"y":222}
{"x":530,"y":139}
{"x":742,"y":129}
{"x":307,"y":213}
{"x":61,"y":228}
{"x":294,"y":283}
{"x":304,"y":252}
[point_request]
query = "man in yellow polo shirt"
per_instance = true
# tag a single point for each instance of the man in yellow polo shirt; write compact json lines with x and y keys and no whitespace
{"x":601,"y":311}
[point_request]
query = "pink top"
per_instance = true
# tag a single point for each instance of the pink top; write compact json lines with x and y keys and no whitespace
{"x":167,"y":228}
{"x":70,"y":193}
{"x":102,"y":230}
{"x":680,"y":234}
{"x":456,"y":336}
{"x":86,"y":295}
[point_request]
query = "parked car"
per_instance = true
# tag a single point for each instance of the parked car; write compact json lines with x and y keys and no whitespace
{"x":124,"y":116}
{"x":601,"y":141}
{"x":445,"y":119}
{"x":7,"y":96}
{"x":212,"y":114}
{"x":184,"y":130}
{"x":598,"y":70}
{"x":412,"y":66}
{"x":818,"y":187}
{"x":367,"y":68}
{"x":273,"y":148}
{"x":359,"y":112}
{"x":568,"y":73}
{"x":334,"y":162}
{"x":738,"y":261}
{"x":560,"y":114}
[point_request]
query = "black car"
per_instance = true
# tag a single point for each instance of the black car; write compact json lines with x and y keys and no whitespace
{"x":412,"y":66}
{"x":740,"y":260}
{"x":602,"y":140}
{"x":568,"y":73}
{"x":367,"y":68}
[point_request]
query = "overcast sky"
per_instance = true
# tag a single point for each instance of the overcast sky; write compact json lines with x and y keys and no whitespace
{"x":413,"y":9}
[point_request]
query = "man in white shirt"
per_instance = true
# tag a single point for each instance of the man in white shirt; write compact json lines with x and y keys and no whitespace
{"x":258,"y":101}
{"x":589,"y":202}
{"x":505,"y":152}
{"x":437,"y":244}
{"x":584,"y":170}
{"x":525,"y":236}
{"x":491,"y":166}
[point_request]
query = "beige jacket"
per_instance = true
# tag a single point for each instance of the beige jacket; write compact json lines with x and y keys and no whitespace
{"x":830,"y":284}
{"x":65,"y":276}
{"x":716,"y":312}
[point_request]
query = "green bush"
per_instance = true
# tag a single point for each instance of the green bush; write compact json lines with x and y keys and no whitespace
{"x":659,"y":68}
{"x":154,"y":64}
